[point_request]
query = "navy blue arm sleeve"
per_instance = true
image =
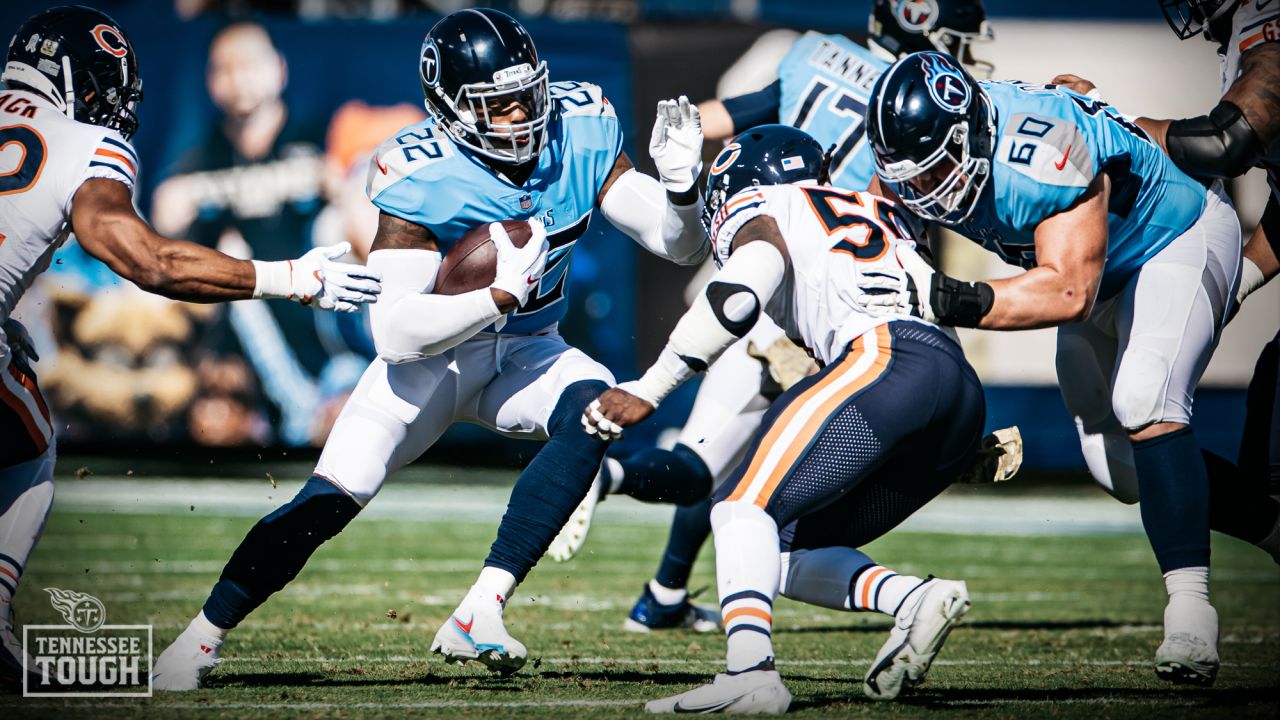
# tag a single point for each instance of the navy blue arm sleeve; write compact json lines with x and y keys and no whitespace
{"x":757,"y":108}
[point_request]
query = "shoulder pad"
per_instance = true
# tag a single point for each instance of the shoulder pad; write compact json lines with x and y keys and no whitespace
{"x":409,"y":151}
{"x":1048,"y":150}
{"x":581,"y":98}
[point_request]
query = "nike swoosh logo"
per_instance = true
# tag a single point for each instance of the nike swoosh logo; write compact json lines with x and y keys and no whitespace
{"x":528,"y":281}
{"x":1063,"y":162}
{"x":464,"y":627}
{"x":378,"y":161}
{"x":682,"y":710}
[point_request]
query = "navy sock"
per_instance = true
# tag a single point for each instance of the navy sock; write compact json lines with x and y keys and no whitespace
{"x":689,"y":530}
{"x":551,"y":486}
{"x":676,"y":476}
{"x":275,"y":550}
{"x":1237,"y":507}
{"x":1173,"y":490}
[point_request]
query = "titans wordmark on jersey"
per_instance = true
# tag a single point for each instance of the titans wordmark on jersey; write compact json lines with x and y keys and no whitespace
{"x":421,"y":176}
{"x":1050,"y":145}
{"x":826,"y":81}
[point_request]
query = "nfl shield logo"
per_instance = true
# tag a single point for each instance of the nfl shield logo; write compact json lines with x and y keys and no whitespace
{"x":526,"y":202}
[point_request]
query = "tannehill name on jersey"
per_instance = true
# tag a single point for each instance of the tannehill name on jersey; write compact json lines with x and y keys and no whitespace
{"x":832,"y":58}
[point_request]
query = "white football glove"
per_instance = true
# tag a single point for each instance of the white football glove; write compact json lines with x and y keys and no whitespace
{"x":519,"y":269}
{"x":676,"y":144}
{"x":19,"y":341}
{"x":906,"y":293}
{"x":318,"y":279}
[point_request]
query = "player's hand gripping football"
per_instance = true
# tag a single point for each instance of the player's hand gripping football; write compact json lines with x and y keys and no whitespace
{"x":676,"y":144}
{"x":320,"y":280}
{"x":614,"y":410}
{"x":519,"y":268}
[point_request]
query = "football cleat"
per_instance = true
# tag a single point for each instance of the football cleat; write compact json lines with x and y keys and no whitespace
{"x":476,"y":632}
{"x":754,"y":692}
{"x":919,"y":630}
{"x":1189,"y":653}
{"x":649,"y":614}
{"x":574,"y":533}
{"x":184,"y":664}
{"x":998,"y":460}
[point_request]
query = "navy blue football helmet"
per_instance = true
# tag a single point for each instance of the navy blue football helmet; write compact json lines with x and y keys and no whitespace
{"x":81,"y":61}
{"x":762,"y":155}
{"x":476,"y":63}
{"x":931,"y":128}
{"x":901,"y":27}
{"x":1189,"y":18}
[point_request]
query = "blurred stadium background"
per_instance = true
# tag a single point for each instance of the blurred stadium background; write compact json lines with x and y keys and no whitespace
{"x":131,"y":374}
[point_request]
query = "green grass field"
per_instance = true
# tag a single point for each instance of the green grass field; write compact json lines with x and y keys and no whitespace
{"x":1062,"y":626}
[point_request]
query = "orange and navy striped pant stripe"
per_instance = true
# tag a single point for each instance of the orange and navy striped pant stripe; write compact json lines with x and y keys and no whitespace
{"x":24,"y":416}
{"x":782,"y":446}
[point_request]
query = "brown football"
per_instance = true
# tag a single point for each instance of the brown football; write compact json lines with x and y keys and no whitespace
{"x":472,"y":263}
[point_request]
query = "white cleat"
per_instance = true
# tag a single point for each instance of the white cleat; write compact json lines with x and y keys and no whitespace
{"x":919,"y":630}
{"x":574,"y":533}
{"x":755,"y":692}
{"x":1189,"y":653}
{"x":476,"y":632}
{"x":184,"y":664}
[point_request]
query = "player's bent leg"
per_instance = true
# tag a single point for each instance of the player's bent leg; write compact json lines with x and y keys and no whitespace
{"x":1170,"y":316}
{"x":678,"y":476}
{"x":269,"y":557}
{"x":26,"y":495}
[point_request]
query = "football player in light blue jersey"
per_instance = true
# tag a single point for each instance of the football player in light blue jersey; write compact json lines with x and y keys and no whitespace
{"x":822,"y":87}
{"x":502,"y":143}
{"x":1132,"y":260}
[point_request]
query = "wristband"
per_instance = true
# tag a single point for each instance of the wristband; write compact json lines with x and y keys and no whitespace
{"x":273,"y":279}
{"x":960,"y":304}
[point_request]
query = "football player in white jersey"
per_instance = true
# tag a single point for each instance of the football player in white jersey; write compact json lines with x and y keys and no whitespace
{"x":67,"y":111}
{"x":843,"y":456}
{"x":823,"y":85}
{"x":502,"y":142}
{"x":1239,"y":133}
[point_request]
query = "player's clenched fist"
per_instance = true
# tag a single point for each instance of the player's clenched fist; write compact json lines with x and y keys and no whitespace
{"x":614,"y":410}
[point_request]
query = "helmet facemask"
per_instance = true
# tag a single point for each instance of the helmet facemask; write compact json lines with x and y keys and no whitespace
{"x":476,"y":106}
{"x":1189,"y":18}
{"x":945,"y":186}
{"x":959,"y":45}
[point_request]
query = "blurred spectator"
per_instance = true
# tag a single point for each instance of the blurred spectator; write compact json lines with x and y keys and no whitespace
{"x":253,"y":188}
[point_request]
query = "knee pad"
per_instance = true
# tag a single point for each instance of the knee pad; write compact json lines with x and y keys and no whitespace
{"x":1139,"y":396}
{"x":736,"y":511}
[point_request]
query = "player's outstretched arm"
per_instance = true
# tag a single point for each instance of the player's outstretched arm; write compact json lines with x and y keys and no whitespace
{"x":664,"y":217}
{"x":723,"y":312}
{"x":409,"y":323}
{"x":108,"y":228}
{"x":1071,"y":249}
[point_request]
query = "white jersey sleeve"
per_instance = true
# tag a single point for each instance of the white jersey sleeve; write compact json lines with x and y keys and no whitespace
{"x":1253,"y":23}
{"x":44,"y":159}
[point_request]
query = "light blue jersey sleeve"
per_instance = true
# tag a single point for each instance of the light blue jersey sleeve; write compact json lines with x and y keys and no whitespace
{"x":402,"y":171}
{"x":593,"y":136}
{"x":826,"y":81}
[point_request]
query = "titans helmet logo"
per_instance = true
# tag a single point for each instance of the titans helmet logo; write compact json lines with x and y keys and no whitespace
{"x":917,"y":15}
{"x":946,"y":84}
{"x":430,"y":63}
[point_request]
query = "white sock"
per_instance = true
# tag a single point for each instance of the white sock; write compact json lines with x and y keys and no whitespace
{"x":200,"y":625}
{"x":666,"y":595}
{"x":613,"y":475}
{"x":494,"y":583}
{"x":747,"y":575}
{"x":1189,"y":610}
{"x":1190,"y":583}
{"x":880,"y":589}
